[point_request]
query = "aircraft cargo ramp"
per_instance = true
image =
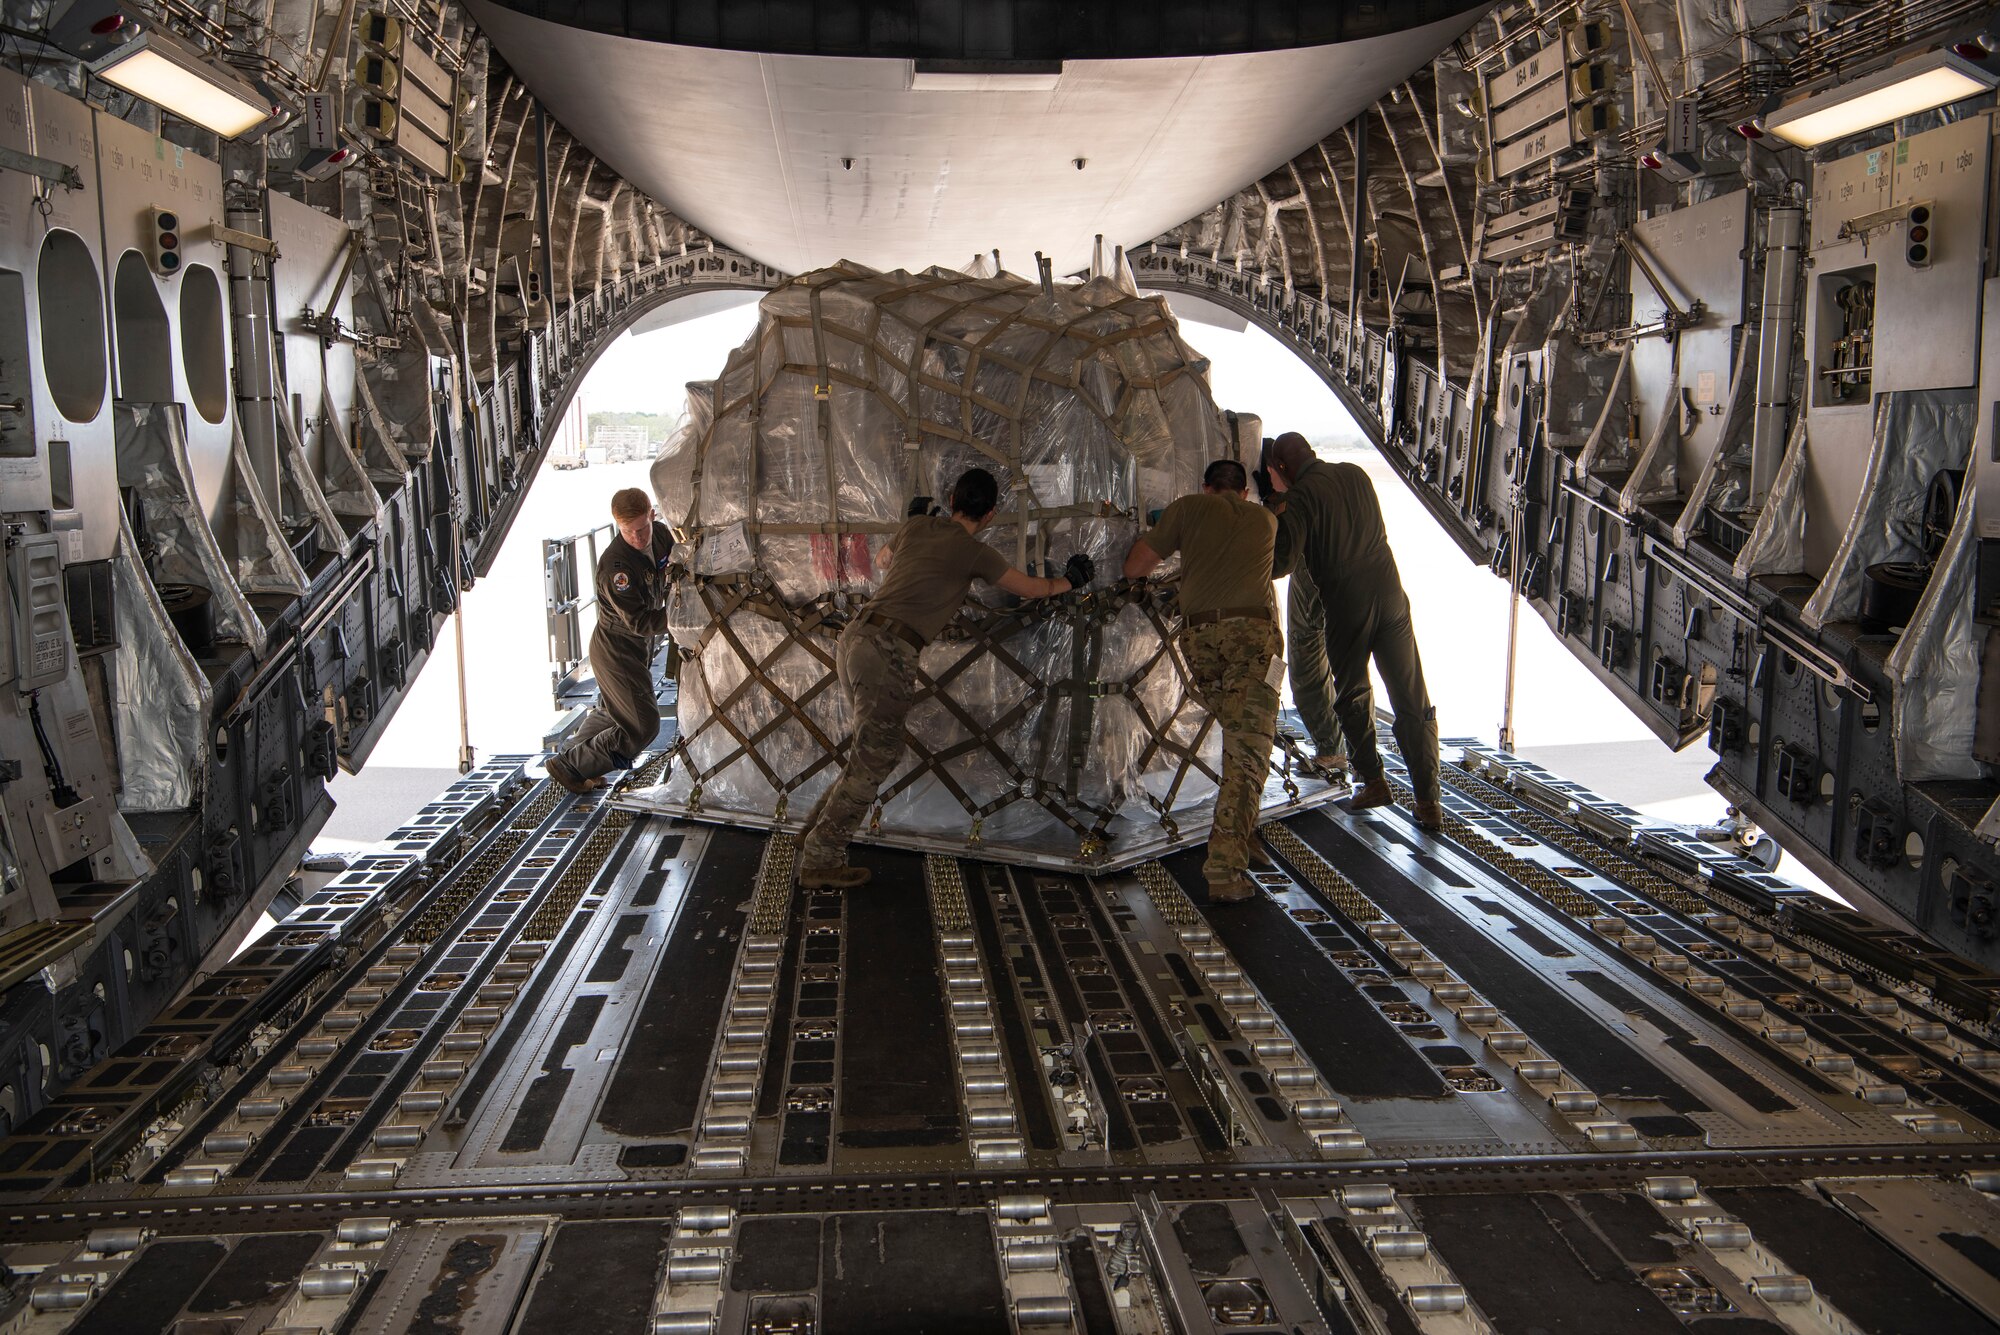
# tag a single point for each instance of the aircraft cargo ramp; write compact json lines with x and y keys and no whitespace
{"x":553,"y":1067}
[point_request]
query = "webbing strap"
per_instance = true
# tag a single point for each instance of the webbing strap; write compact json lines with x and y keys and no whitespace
{"x":985,"y":637}
{"x":823,"y":418}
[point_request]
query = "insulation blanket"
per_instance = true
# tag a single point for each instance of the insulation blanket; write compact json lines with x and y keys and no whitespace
{"x":1063,"y":723}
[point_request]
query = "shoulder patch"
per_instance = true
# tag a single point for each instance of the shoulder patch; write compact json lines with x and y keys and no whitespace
{"x":621,"y":581}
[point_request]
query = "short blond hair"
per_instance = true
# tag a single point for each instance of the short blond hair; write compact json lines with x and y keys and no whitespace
{"x":630,"y":503}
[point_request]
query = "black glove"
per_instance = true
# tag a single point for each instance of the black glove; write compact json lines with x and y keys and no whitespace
{"x":1267,"y":495}
{"x":1080,"y":570}
{"x":919,"y":505}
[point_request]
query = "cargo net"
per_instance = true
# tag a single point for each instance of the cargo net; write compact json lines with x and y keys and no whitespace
{"x":1053,"y":729}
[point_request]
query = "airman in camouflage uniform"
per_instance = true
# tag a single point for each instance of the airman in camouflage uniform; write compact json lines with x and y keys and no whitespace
{"x":1231,"y":644}
{"x":878,"y":671}
{"x":933,"y":561}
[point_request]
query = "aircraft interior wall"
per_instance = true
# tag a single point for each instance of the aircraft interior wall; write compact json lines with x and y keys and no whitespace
{"x":1721,"y":409}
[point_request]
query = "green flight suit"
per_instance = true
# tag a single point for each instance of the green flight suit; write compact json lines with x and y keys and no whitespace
{"x":1312,"y":676}
{"x":631,"y":611}
{"x":1332,"y":529}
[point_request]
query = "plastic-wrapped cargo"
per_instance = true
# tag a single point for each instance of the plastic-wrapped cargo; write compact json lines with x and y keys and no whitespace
{"x":1059,"y":730}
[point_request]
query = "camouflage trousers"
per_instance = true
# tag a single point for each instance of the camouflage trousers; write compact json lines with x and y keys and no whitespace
{"x":878,"y":670}
{"x":1229,"y":662}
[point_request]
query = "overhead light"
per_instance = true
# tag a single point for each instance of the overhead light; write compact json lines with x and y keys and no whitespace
{"x":175,"y":77}
{"x":1935,"y":79}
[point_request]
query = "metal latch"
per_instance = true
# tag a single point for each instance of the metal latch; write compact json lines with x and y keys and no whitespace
{"x":230,"y":236}
{"x":47,"y":169}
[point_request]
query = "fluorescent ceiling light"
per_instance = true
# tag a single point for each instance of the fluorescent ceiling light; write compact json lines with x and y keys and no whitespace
{"x":1904,"y":89}
{"x":179,"y":79}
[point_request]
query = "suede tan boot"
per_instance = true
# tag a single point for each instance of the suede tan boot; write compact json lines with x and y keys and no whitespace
{"x":1374,"y":793}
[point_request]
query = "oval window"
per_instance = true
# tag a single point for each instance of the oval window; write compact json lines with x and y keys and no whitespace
{"x":70,"y":298}
{"x":139,"y":324}
{"x":203,"y":335}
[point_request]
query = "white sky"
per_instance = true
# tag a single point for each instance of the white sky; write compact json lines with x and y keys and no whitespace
{"x":649,"y":373}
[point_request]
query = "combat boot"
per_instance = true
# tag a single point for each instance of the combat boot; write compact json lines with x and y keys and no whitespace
{"x":1374,"y":793}
{"x":560,"y":772}
{"x":1430,"y":815}
{"x":833,"y":878}
{"x":1332,"y":764}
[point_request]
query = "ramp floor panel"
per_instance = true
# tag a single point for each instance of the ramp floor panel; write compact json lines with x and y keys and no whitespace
{"x":1347,"y":1037}
{"x":258,"y":1268}
{"x":657,"y":1085}
{"x":897,"y":1085}
{"x":1582,"y":1286}
{"x":152,"y":1289}
{"x":903,"y":1273}
{"x":598,"y":1277}
{"x":1870,"y":1281}
{"x":1581,"y":1041}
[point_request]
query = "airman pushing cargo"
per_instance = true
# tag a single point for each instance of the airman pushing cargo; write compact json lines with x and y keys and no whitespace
{"x":932,"y":561}
{"x":1231,"y":645}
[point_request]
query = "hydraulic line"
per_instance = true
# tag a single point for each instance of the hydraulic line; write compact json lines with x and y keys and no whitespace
{"x":458,"y":640}
{"x":464,"y":717}
{"x":1513,"y":634}
{"x":52,"y":767}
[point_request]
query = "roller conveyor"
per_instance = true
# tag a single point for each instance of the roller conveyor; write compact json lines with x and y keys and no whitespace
{"x":578,"y":1070}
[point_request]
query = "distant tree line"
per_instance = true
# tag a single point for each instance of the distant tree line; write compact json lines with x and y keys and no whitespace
{"x":658,"y":425}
